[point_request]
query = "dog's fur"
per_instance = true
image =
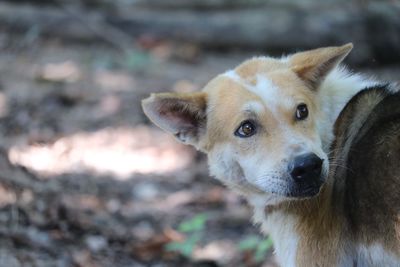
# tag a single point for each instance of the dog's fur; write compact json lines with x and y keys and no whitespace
{"x":353,"y":125}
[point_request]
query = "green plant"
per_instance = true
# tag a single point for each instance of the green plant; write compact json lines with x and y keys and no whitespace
{"x":193,"y":229}
{"x":259,"y":247}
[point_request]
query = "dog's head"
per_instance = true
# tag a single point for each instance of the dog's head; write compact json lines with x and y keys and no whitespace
{"x":261,"y":124}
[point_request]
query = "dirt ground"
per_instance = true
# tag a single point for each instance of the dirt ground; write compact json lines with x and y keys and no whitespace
{"x":90,"y":181}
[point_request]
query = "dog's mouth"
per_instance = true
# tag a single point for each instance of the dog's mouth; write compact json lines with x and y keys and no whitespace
{"x":306,"y":189}
{"x":298,"y":190}
{"x":306,"y":192}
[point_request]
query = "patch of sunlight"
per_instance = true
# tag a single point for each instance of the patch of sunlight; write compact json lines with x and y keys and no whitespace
{"x":114,"y":81}
{"x":220,"y":251}
{"x":67,"y":71}
{"x":117,"y":151}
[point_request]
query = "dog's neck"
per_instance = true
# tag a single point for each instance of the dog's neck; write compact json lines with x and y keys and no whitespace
{"x":296,"y":224}
{"x":337,"y":89}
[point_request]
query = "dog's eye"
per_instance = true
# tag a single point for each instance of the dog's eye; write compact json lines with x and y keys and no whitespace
{"x":301,"y":112}
{"x":246,"y":129}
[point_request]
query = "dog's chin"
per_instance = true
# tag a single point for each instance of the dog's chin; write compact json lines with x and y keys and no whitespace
{"x":299,"y":191}
{"x":306,"y":190}
{"x":281,"y":192}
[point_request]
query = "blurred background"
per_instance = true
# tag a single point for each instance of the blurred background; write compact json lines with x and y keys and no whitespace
{"x":85,"y":179}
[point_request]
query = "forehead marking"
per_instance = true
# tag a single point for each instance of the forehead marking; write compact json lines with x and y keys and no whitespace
{"x":236,"y":78}
{"x":254,"y":106}
{"x":264,"y":88}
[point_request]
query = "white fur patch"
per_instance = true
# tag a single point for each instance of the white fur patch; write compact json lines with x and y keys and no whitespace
{"x":253,"y":106}
{"x":376,"y":255}
{"x":338,"y":88}
{"x":394,"y":87}
{"x":281,"y":228}
{"x":225,"y":168}
{"x":235,"y":77}
{"x":268,"y":92}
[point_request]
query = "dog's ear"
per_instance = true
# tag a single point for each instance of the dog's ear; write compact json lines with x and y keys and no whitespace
{"x":314,"y":65}
{"x":181,"y":114}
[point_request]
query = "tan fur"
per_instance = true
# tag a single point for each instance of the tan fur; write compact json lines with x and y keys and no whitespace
{"x":226,"y":96}
{"x":307,"y":64}
{"x":249,"y":68}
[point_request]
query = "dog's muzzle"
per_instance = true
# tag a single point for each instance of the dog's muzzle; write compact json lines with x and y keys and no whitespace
{"x":305,"y":171}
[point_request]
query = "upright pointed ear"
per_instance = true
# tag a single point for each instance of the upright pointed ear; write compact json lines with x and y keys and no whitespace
{"x":181,"y":114}
{"x":314,"y":65}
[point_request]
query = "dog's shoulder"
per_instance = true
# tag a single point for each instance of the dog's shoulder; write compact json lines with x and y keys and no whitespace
{"x":370,"y":111}
{"x":367,"y":155}
{"x":363,"y":110}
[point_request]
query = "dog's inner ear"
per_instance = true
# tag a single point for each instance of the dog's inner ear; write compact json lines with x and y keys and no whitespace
{"x":314,"y":65}
{"x":183,"y":115}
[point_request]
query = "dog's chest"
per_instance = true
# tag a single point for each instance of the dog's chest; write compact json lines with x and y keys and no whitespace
{"x":282,"y":231}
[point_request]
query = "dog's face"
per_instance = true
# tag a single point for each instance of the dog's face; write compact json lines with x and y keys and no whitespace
{"x":261,"y":124}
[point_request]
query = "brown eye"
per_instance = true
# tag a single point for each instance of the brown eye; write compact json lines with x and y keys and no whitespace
{"x":301,"y":112}
{"x":246,"y":129}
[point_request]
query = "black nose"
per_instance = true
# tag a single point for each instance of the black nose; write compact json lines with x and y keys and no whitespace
{"x":306,"y":167}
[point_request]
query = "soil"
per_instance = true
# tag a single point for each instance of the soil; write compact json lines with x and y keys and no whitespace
{"x":86,"y":179}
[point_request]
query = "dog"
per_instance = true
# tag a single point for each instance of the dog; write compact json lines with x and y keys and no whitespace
{"x":314,"y":149}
